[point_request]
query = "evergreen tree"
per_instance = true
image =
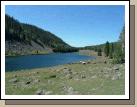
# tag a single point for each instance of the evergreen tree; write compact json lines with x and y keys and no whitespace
{"x":119,"y":53}
{"x":122,"y":39}
{"x":107,"y":49}
{"x":111,"y":51}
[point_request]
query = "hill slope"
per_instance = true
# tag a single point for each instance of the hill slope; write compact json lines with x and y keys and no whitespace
{"x":28,"y":39}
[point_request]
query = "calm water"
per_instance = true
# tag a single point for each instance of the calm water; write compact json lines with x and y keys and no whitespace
{"x":38,"y":61}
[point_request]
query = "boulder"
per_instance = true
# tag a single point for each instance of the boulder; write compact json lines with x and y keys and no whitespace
{"x":48,"y":93}
{"x":83,"y":76}
{"x":40,"y":92}
{"x":116,"y":68}
{"x":82,"y":62}
{"x":49,"y":82}
{"x":36,"y":80}
{"x":70,"y":91}
{"x":94,"y":76}
{"x":106,"y":75}
{"x":14,"y":80}
{"x":69,"y":76}
{"x":115,"y":77}
{"x":67,"y":71}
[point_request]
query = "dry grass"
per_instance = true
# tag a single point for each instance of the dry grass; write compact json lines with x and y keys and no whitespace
{"x":96,"y":77}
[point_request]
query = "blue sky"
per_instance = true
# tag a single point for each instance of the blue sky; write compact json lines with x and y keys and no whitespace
{"x":77,"y":25}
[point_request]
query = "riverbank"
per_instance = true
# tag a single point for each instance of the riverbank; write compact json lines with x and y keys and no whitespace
{"x":12,"y":54}
{"x":93,"y":77}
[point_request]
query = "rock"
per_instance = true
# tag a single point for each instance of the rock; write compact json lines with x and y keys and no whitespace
{"x":94,"y":77}
{"x":14,"y":80}
{"x":83,"y":76}
{"x":49,"y":81}
{"x":119,"y":74}
{"x":107,"y":75}
{"x":116,"y":68}
{"x":115,"y":77}
{"x":58,"y":70}
{"x":93,"y":89}
{"x":82,"y":62}
{"x":40,"y":92}
{"x":70,"y":91}
{"x":67,"y":71}
{"x":15,"y":76}
{"x":69,"y":76}
{"x":77,"y":79}
{"x":37,"y":80}
{"x":48,"y":93}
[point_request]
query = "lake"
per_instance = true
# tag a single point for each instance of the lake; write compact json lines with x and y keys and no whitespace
{"x":38,"y":61}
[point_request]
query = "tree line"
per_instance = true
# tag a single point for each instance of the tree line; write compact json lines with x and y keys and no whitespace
{"x":113,"y":50}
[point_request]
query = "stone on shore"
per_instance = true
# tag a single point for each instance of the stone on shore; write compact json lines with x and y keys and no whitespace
{"x":14,"y":80}
{"x":40,"y":92}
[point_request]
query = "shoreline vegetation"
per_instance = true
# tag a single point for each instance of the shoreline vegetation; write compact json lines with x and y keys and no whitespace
{"x":33,"y":53}
{"x":92,"y":77}
{"x":38,"y":52}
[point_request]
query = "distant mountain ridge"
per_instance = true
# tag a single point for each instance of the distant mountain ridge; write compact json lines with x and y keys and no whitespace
{"x":28,"y":39}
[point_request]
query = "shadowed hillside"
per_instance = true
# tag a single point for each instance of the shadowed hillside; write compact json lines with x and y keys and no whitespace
{"x":28,"y":39}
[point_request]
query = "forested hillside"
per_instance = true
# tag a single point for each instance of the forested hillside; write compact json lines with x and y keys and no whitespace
{"x":28,"y":39}
{"x":113,"y":50}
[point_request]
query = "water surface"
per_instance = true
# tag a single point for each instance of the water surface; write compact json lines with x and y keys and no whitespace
{"x":38,"y":61}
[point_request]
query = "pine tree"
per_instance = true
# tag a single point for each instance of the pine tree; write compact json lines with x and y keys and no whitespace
{"x":111,"y":51}
{"x":119,"y":53}
{"x":107,"y":49}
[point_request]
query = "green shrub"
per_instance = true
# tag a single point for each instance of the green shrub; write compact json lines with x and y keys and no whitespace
{"x":118,"y":57}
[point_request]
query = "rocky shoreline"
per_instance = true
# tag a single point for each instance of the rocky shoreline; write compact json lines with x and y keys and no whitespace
{"x":93,"y":77}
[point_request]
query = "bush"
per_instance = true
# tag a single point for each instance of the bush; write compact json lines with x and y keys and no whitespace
{"x":119,"y":57}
